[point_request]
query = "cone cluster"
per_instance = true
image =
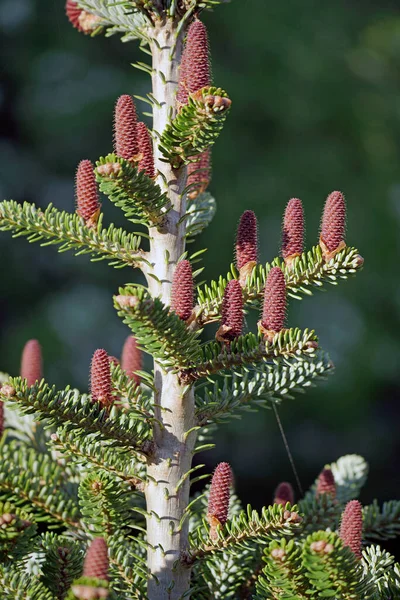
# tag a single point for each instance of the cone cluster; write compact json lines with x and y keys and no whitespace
{"x":182,"y":300}
{"x":31,"y":362}
{"x":100,"y":378}
{"x":219,"y":497}
{"x":131,"y":359}
{"x":87,"y":196}
{"x":351,"y":527}
{"x":284,"y":494}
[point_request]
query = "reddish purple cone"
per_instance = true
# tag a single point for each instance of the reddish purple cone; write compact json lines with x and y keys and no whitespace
{"x":293,"y":229}
{"x":100,"y":378}
{"x":87,"y":196}
{"x":333,"y":223}
{"x":125,"y":128}
{"x":351,"y":527}
{"x":284,"y":494}
{"x":220,"y":492}
{"x":195,"y":70}
{"x":131,"y":359}
{"x":199,"y":174}
{"x":31,"y":362}
{"x":247,"y":239}
{"x":145,"y":143}
{"x":183,"y":290}
{"x":326,"y":483}
{"x":274,"y":308}
{"x":96,"y":561}
{"x":232,"y":310}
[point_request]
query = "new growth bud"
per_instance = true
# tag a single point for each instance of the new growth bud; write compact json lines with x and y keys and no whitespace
{"x":31,"y":362}
{"x":283,"y":494}
{"x":199,"y":174}
{"x":293,"y":230}
{"x":81,"y":19}
{"x":96,"y":561}
{"x":333,"y":225}
{"x":195,"y":70}
{"x":87,"y":197}
{"x":326,"y":483}
{"x":274,"y":307}
{"x":131,"y":359}
{"x":351,"y":527}
{"x":73,"y":13}
{"x":182,"y":290}
{"x":231,"y":313}
{"x":219,"y":497}
{"x":246,"y":244}
{"x":125,"y":128}
{"x":100,"y":378}
{"x":145,"y":143}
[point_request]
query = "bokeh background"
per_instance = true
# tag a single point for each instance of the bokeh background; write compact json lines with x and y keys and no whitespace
{"x":316,"y":107}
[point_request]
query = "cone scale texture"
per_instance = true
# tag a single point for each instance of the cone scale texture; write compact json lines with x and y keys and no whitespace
{"x":219,"y":497}
{"x":247,"y":240}
{"x":183,"y":290}
{"x":31,"y":362}
{"x":274,"y":307}
{"x":333,"y":222}
{"x":87,"y":197}
{"x":145,"y":147}
{"x":231,"y":312}
{"x":131,"y":359}
{"x":100,"y":378}
{"x":283,"y":494}
{"x":195,"y":70}
{"x":351,"y":527}
{"x":293,"y":229}
{"x":199,"y":174}
{"x":125,"y":128}
{"x":326,"y":483}
{"x":96,"y":561}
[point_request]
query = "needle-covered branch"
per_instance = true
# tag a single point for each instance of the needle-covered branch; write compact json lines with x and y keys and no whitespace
{"x":51,"y":226}
{"x":306,"y":271}
{"x":129,"y":429}
{"x":16,"y":583}
{"x":381,"y":523}
{"x":251,"y":349}
{"x":126,"y":18}
{"x":196,"y":127}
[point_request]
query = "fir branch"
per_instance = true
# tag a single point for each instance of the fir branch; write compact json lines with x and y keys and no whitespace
{"x":381,"y":523}
{"x":128,"y":565}
{"x":250,"y":349}
{"x":307,"y":271}
{"x":196,"y":127}
{"x":90,"y":451}
{"x":158,"y":331}
{"x":61,"y":562}
{"x":283,"y":575}
{"x":322,"y":512}
{"x":122,"y":17}
{"x":380,"y":567}
{"x":251,"y":526}
{"x":128,"y":429}
{"x":17,"y":528}
{"x":36,"y":481}
{"x":199,"y":214}
{"x":267,"y":383}
{"x":139,"y":197}
{"x":15,"y":584}
{"x":118,"y":247}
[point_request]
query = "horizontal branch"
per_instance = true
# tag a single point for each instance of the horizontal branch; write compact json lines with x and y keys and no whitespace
{"x":381,"y":523}
{"x":52,"y":226}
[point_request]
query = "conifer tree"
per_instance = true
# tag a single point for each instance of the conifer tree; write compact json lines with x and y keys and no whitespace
{"x":95,"y":488}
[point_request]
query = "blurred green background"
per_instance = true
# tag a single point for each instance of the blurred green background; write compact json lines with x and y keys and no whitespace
{"x":316,"y":107}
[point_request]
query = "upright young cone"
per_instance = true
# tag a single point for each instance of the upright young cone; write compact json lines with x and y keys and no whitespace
{"x":247,"y":241}
{"x":333,"y":225}
{"x":284,"y":494}
{"x":100,"y":378}
{"x":326,"y":483}
{"x":231,"y":313}
{"x":145,"y":143}
{"x":131,"y":359}
{"x":87,"y":196}
{"x":125,"y":128}
{"x":96,"y":563}
{"x":199,"y":174}
{"x":219,"y":497}
{"x":31,"y":362}
{"x":293,"y":230}
{"x":351,"y":527}
{"x":183,"y":290}
{"x":274,"y":307}
{"x":195,"y":70}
